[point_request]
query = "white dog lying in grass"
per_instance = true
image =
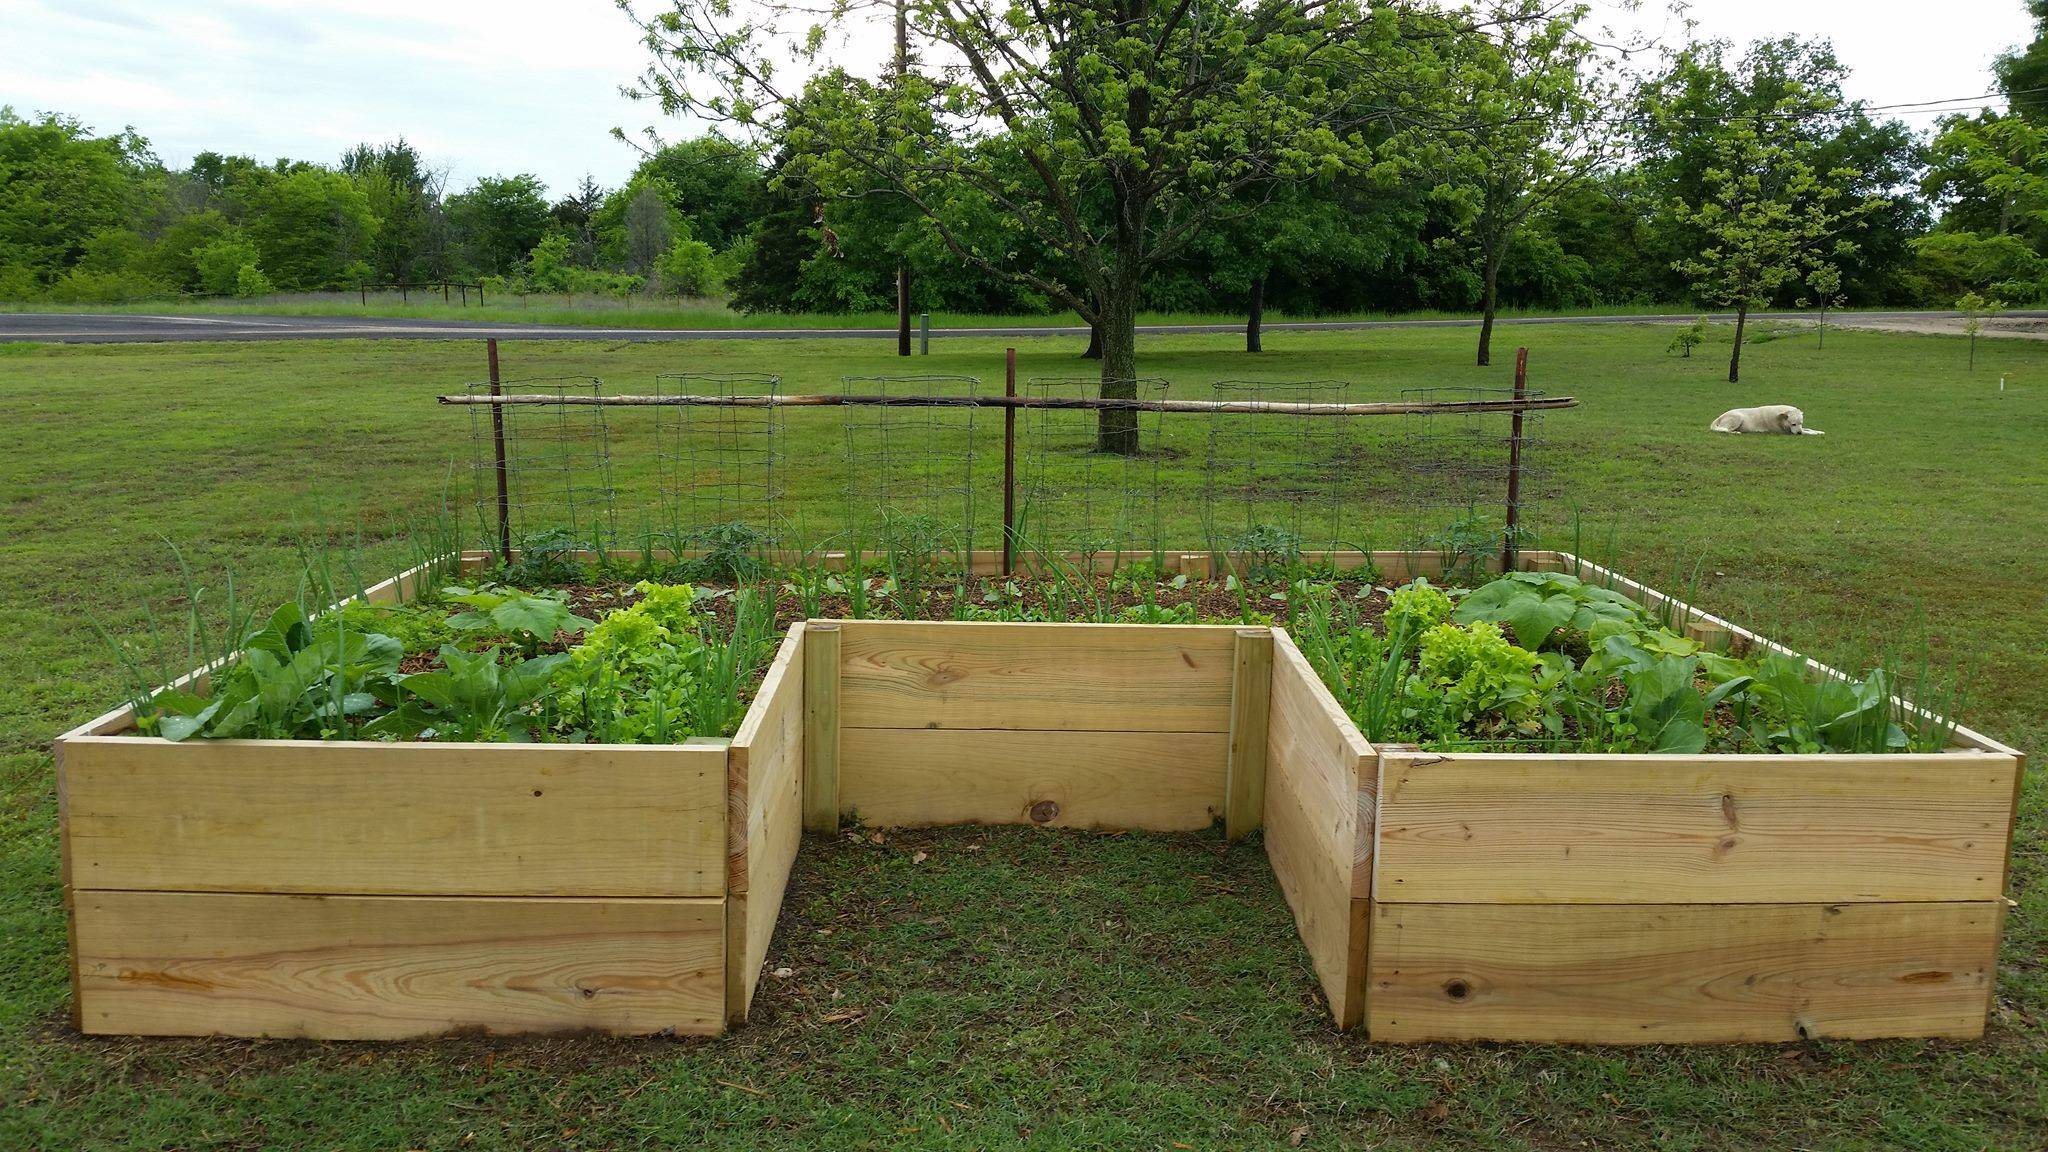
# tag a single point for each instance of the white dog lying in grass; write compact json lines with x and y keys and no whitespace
{"x":1781,"y":418}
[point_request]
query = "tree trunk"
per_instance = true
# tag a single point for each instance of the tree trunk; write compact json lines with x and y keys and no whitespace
{"x":1488,"y":296}
{"x":1255,"y":317}
{"x":1735,"y":357}
{"x":1094,"y":351}
{"x":1117,"y":431}
{"x":1823,"y":325}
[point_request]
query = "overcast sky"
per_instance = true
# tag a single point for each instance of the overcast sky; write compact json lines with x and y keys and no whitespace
{"x":507,"y":86}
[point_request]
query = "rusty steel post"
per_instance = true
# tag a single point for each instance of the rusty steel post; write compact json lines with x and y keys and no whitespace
{"x":1510,"y":542}
{"x":1009,"y":462}
{"x":498,"y":447}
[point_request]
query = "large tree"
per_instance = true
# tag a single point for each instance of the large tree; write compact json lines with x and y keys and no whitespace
{"x":1132,"y":124}
{"x":404,"y":195}
{"x":60,"y":186}
{"x":313,"y":226}
{"x":498,"y":221}
{"x":1531,"y":93}
{"x":1767,"y":217}
{"x":713,"y":182}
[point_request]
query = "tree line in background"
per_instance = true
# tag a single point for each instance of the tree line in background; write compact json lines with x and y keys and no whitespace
{"x":1303,"y":157}
{"x":97,"y":219}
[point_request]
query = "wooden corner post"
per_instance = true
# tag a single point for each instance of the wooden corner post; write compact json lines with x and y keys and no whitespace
{"x":821,"y":728}
{"x":1251,"y":696}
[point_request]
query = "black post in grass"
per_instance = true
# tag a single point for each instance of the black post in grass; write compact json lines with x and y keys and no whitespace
{"x":1009,"y":462}
{"x":1514,"y":527}
{"x":498,"y":449}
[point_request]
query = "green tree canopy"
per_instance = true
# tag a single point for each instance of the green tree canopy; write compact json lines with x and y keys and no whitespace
{"x":499,"y":220}
{"x":1134,"y":124}
{"x":313,"y":226}
{"x":60,"y":186}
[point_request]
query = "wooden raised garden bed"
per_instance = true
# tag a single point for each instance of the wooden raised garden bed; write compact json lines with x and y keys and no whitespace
{"x":366,"y":890}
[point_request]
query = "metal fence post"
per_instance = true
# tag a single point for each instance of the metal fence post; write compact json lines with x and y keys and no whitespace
{"x":1009,"y":461}
{"x":498,"y":448}
{"x":1511,"y":541}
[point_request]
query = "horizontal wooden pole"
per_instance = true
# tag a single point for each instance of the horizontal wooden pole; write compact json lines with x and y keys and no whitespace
{"x":1235,"y":407}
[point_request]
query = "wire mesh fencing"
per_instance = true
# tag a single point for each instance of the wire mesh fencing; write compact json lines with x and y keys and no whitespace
{"x":542,"y":469}
{"x":1073,"y":499}
{"x":910,"y":485}
{"x":1460,"y":467}
{"x":915,"y":465}
{"x":717,"y":466}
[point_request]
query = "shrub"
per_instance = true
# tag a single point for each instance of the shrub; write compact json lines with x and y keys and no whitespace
{"x":250,"y":281}
{"x":1689,"y":337}
{"x":220,"y":264}
{"x":688,"y":268}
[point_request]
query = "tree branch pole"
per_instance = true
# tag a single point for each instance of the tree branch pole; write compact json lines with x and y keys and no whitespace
{"x":1071,"y":403}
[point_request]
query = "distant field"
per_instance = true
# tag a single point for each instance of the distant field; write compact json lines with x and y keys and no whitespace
{"x":995,"y":1014}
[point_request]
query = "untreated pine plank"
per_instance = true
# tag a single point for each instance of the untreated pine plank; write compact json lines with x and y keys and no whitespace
{"x":1250,"y":702}
{"x":766,"y":752}
{"x":395,"y":967}
{"x":1332,"y":765}
{"x":750,"y":916}
{"x":1500,"y":828}
{"x":1065,"y":677}
{"x":771,"y":747}
{"x":1313,"y":762}
{"x":1156,"y":781}
{"x":822,"y":658}
{"x":401,"y":819}
{"x":1312,"y":864}
{"x":1644,"y":974}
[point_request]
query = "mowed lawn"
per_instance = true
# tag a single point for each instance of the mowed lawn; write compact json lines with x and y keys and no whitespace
{"x":1014,"y":988}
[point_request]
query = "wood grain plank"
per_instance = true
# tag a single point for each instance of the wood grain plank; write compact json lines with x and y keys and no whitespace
{"x":1313,"y":762}
{"x":396,"y":967}
{"x":774,"y":757}
{"x":751,"y":916}
{"x":1653,"y":974}
{"x":1156,"y":781}
{"x":1504,"y":829}
{"x":821,"y":729}
{"x":768,"y":746}
{"x":1251,"y":698}
{"x":1063,"y":677}
{"x":405,"y":819}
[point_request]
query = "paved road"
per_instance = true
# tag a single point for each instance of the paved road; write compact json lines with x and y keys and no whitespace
{"x":124,"y":328}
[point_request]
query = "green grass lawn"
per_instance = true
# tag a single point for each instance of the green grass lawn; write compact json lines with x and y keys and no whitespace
{"x":1016,"y":988}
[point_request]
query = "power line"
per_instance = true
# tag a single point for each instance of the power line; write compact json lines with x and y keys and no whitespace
{"x":1947,"y":106}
